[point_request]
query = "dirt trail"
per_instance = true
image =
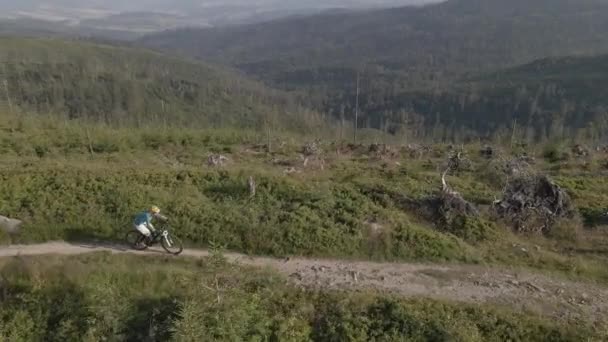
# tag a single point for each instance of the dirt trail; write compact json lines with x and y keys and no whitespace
{"x":546,"y":295}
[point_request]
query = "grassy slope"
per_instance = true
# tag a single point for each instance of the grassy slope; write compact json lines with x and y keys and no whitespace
{"x":129,"y":298}
{"x":130,"y":86}
{"x":73,"y":181}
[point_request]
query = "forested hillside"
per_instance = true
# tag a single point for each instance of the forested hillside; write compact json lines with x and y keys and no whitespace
{"x":129,"y":86}
{"x":549,"y":98}
{"x":421,"y":51}
{"x":457,"y":35}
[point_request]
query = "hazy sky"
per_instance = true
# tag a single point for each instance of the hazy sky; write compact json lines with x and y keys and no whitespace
{"x":100,"y":13}
{"x":142,"y":5}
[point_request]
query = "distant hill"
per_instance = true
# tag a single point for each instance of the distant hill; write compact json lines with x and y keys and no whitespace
{"x":425,"y":41}
{"x":25,"y":27}
{"x":122,"y":86}
{"x":156,"y":15}
{"x":397,"y":51}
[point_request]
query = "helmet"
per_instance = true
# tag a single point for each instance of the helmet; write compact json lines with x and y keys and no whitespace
{"x":155,"y":209}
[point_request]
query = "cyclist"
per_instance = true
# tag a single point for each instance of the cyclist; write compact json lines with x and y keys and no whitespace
{"x":143,"y":221}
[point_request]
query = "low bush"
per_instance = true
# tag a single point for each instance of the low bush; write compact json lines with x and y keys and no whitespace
{"x":128,"y":298}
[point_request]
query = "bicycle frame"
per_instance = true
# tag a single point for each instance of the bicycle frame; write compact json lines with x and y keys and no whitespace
{"x":162,"y":233}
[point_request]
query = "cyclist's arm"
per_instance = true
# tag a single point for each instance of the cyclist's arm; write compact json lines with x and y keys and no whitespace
{"x":150,"y":226}
{"x":161,"y":218}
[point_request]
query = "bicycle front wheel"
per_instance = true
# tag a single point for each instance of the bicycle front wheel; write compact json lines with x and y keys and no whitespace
{"x":172,"y":244}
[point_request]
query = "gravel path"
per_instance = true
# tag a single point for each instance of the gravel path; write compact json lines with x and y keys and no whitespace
{"x":519,"y":290}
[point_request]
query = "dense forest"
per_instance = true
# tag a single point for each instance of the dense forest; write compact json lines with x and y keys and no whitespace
{"x":79,"y":80}
{"x":549,"y":98}
{"x":418,"y":62}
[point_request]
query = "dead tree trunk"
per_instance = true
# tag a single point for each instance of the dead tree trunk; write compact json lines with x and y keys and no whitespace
{"x":252,"y":187}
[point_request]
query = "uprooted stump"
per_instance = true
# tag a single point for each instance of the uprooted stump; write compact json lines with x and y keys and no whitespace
{"x":451,"y":204}
{"x":455,"y":163}
{"x":215,"y":160}
{"x":580,"y":150}
{"x":312,"y":155}
{"x":487,"y":152}
{"x":439,"y":208}
{"x":447,"y":211}
{"x":416,"y":151}
{"x":311,"y":149}
{"x":533,"y":204}
{"x":382,"y":151}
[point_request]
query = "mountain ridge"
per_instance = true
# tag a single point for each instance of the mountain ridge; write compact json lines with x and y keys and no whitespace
{"x":397,"y":51}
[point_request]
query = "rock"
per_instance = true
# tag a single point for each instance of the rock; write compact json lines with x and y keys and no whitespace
{"x":290,"y":170}
{"x":320,"y":268}
{"x":297,"y":275}
{"x":9,"y":225}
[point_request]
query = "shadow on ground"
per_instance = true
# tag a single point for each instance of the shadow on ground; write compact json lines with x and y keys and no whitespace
{"x":120,"y":247}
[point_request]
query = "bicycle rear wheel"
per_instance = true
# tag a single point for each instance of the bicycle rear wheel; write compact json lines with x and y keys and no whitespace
{"x":172,"y":244}
{"x":136,"y":240}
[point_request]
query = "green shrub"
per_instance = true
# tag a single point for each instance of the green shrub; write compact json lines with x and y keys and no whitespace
{"x":555,"y":153}
{"x":469,"y":228}
{"x":566,"y":230}
{"x":132,"y":298}
{"x":594,"y":216}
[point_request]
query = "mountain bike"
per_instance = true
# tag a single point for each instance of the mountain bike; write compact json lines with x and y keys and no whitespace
{"x":171,"y":243}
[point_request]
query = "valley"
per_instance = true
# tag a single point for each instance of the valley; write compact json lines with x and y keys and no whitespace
{"x":337,"y":171}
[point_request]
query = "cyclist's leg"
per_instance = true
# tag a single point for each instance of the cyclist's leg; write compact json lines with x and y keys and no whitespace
{"x":145,"y":233}
{"x":143,"y":230}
